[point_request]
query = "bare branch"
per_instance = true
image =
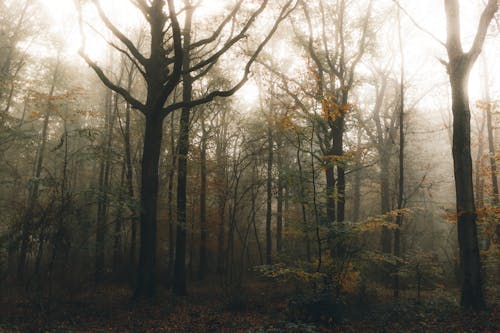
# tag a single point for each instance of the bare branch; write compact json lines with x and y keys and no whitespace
{"x":242,"y":34}
{"x":127,"y":42}
{"x":119,"y":49}
{"x":415,"y":23}
{"x":178,"y":56}
{"x":217,"y":32}
{"x":108,"y":83}
{"x":362,"y":45}
{"x":486,"y":17}
{"x":285,"y":12}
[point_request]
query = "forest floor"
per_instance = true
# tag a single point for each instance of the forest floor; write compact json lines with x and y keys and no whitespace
{"x":263,"y":306}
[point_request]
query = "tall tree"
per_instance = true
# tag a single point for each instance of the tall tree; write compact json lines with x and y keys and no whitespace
{"x":162,"y":70}
{"x":399,"y":217}
{"x":459,"y":66}
{"x":335,"y":67}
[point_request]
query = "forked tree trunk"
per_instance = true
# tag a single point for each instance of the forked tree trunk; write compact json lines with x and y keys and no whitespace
{"x":459,"y":66}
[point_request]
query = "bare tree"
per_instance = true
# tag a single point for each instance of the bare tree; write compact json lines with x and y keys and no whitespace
{"x":162,"y":71}
{"x":459,"y":66}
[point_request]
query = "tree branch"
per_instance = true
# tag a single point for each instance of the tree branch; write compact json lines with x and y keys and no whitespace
{"x":226,"y":93}
{"x":174,"y":78}
{"x":127,"y":42}
{"x":108,"y":83}
{"x":486,"y":17}
{"x":219,"y":29}
{"x":415,"y":23}
{"x":242,"y":34}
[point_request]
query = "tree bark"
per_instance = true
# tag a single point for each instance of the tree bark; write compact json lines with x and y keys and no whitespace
{"x":146,"y":278}
{"x":459,"y":66}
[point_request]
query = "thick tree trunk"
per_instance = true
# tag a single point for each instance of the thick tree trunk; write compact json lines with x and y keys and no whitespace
{"x":146,"y":279}
{"x":472,"y":294}
{"x":338,"y":152}
{"x":330,"y":192}
{"x":459,"y":66}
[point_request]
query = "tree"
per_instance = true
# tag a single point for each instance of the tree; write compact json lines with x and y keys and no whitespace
{"x":163,"y":70}
{"x":335,"y":68}
{"x":459,"y":66}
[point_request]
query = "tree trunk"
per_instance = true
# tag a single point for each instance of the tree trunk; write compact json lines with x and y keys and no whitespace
{"x":330,"y":192}
{"x":104,"y":175}
{"x":385,"y":202}
{"x":269,"y":193}
{"x":130,"y":178}
{"x":117,"y":241}
{"x":279,"y":203}
{"x":356,"y":186}
{"x":221,"y":197}
{"x":303,"y":199}
{"x":338,"y":152}
{"x":399,"y":218}
{"x":170,"y":205}
{"x":472,"y":294}
{"x":146,"y":279}
{"x":459,"y":66}
{"x":203,"y":202}
{"x":179,"y":283}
